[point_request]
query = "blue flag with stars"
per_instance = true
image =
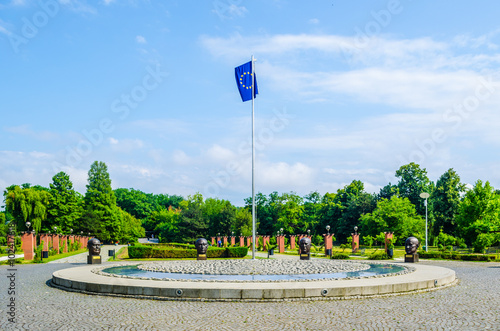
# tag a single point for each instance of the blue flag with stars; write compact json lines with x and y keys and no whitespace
{"x":243,"y":75}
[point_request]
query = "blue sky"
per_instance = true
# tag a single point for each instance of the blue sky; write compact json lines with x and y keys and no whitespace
{"x":348,"y":90}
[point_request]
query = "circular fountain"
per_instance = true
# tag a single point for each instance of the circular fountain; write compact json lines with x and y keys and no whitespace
{"x":230,"y":280}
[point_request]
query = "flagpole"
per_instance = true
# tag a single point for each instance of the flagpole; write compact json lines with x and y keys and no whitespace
{"x":253,"y":159}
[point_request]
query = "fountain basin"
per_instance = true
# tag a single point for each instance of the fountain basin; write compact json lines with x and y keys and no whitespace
{"x":82,"y":279}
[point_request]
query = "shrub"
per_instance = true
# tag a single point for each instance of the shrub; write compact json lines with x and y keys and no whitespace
{"x":3,"y":241}
{"x":237,"y":251}
{"x":378,"y":255}
{"x":139,"y":251}
{"x":339,"y":256}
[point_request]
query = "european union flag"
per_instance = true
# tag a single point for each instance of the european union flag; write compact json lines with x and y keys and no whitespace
{"x":243,"y":75}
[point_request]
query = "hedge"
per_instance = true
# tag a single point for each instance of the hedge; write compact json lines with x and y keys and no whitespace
{"x":164,"y":252}
{"x":455,"y":256}
{"x":339,"y":256}
{"x":378,"y":255}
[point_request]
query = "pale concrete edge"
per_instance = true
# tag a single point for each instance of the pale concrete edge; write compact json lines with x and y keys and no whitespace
{"x":280,"y":292}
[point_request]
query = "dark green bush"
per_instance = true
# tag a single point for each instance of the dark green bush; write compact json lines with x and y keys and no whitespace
{"x":139,"y":251}
{"x":456,"y":256}
{"x":339,"y":256}
{"x":237,"y":251}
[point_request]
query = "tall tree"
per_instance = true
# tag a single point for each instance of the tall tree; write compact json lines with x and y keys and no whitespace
{"x":65,"y":206}
{"x":478,"y":216}
{"x":396,"y":215}
{"x":100,"y":202}
{"x":412,"y":182}
{"x":221,"y":216}
{"x":334,"y":206}
{"x":192,"y":224}
{"x":446,"y":200}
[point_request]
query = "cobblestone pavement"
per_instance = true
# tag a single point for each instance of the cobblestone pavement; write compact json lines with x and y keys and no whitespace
{"x":473,"y":304}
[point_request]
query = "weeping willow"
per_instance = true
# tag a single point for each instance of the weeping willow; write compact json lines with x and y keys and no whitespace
{"x":27,"y":204}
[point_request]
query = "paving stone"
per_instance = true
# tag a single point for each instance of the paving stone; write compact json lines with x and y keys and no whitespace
{"x":473,"y":304}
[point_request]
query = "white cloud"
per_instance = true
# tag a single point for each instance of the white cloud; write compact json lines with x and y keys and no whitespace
{"x":314,"y":21}
{"x":140,"y":40}
{"x":108,"y":2}
{"x":125,"y":145}
{"x":181,"y":158}
{"x":284,"y":177}
{"x":78,"y":6}
{"x":25,"y":130}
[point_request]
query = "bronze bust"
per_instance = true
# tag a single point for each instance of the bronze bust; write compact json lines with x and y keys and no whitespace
{"x":201,"y":246}
{"x":411,"y":245}
{"x":305,"y":245}
{"x":94,"y":246}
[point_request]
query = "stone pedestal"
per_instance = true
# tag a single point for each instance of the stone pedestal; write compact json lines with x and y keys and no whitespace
{"x":305,"y":256}
{"x":201,"y":257}
{"x":411,"y":258}
{"x":94,"y":259}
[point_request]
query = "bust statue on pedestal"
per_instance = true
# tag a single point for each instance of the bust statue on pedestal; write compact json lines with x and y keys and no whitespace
{"x":94,"y":246}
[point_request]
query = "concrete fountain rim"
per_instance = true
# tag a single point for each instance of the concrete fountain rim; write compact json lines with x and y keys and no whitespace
{"x":83,"y":280}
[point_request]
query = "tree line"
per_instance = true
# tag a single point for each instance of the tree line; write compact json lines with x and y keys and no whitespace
{"x":456,"y":215}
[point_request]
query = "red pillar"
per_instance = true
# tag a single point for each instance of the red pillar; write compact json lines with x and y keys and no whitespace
{"x":242,"y":241}
{"x":28,"y":244}
{"x":265,"y":241}
{"x":257,"y":242}
{"x":292,"y":241}
{"x":281,"y":243}
{"x":355,"y":242}
{"x":233,"y":240}
{"x":45,"y":238}
{"x":55,"y":242}
{"x":328,"y":240}
{"x":249,"y":241}
{"x":213,"y":241}
{"x":388,"y":236}
{"x":65,"y":243}
{"x":224,"y":241}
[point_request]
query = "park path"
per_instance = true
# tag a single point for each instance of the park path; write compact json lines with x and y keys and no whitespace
{"x":82,"y":258}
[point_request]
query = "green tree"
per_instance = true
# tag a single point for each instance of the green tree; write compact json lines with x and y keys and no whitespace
{"x":243,"y":222}
{"x":446,"y":200}
{"x":100,"y":204}
{"x":412,"y":182}
{"x":192,"y":224}
{"x":167,"y":224}
{"x":130,"y":228}
{"x":135,"y":202}
{"x":334,"y":207}
{"x":396,"y":215}
{"x":221,"y":216}
{"x":478,"y":216}
{"x":65,"y":205}
{"x":312,"y":212}
{"x":27,"y":204}
{"x":290,"y":212}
